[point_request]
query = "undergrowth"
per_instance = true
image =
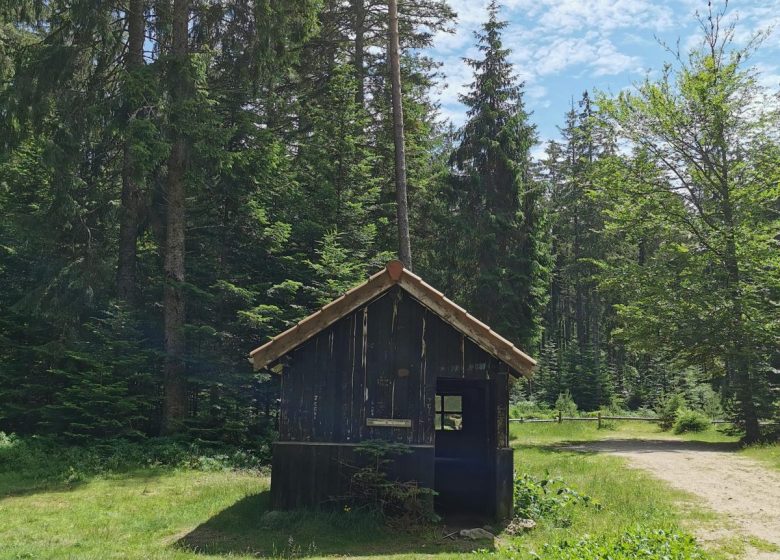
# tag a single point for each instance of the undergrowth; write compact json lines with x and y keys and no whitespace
{"x":45,"y":460}
{"x":638,"y":544}
{"x":548,"y":498}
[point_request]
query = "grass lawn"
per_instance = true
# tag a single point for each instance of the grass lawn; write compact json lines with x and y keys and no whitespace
{"x":768,"y":454}
{"x":536,"y":434}
{"x":180,"y":513}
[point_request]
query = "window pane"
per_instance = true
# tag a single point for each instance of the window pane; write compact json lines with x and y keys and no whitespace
{"x":453,"y":403}
{"x":453,"y":422}
{"x":438,"y":403}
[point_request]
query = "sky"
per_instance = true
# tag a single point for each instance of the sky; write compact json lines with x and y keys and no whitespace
{"x":560,"y":48}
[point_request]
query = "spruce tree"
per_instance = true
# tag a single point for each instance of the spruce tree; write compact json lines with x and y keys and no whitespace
{"x":498,"y":203}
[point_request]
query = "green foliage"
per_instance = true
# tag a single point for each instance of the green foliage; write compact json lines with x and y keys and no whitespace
{"x":48,"y":461}
{"x":529,"y":409}
{"x":633,"y":274}
{"x":280,"y":218}
{"x":641,"y":543}
{"x":690,"y":421}
{"x":403,"y":504}
{"x":547,"y":498}
{"x":669,"y":409}
{"x":701,"y":288}
{"x":703,"y":398}
{"x":578,"y":353}
{"x":565,"y":404}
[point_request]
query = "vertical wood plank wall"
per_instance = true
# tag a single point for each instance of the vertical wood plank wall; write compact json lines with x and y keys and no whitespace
{"x":350,"y":372}
{"x":382,"y":361}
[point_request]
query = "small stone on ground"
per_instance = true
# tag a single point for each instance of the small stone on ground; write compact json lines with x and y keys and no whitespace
{"x":519,"y":525}
{"x":477,"y":534}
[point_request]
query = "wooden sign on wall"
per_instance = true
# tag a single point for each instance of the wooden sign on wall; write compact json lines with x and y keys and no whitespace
{"x":389,"y":422}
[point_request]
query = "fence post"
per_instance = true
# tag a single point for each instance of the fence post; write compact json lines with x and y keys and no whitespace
{"x":560,"y":416}
{"x":599,"y":420}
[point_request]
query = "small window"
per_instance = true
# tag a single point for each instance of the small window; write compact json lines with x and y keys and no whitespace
{"x":449,"y":412}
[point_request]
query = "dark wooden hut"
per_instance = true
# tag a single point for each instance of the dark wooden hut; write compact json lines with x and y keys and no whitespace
{"x":393,"y":359}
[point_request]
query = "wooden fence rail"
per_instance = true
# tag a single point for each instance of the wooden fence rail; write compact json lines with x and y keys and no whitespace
{"x":599,"y":418}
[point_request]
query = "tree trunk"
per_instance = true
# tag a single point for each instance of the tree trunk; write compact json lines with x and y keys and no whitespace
{"x":175,"y":383}
{"x":131,"y":198}
{"x":404,"y":249}
{"x":359,"y":11}
{"x":737,"y":364}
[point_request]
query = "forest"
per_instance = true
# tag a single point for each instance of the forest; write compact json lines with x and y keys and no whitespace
{"x":181,"y":180}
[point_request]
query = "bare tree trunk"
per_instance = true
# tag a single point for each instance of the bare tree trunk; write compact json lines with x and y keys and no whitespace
{"x":131,"y":190}
{"x":404,"y":250}
{"x":738,"y":366}
{"x":359,"y":11}
{"x":175,"y":382}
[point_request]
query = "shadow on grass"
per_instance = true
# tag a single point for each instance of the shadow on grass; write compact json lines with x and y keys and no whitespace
{"x":249,"y":527}
{"x":642,"y":446}
{"x":16,"y":485}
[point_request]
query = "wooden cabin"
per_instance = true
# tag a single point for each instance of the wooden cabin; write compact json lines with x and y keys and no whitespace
{"x":394,"y":359}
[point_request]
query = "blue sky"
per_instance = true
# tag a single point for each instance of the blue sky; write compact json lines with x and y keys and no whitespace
{"x":561,"y":48}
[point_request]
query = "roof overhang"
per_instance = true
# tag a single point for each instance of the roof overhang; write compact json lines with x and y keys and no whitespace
{"x":394,"y":274}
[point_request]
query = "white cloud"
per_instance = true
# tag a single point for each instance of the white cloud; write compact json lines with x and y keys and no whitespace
{"x":547,"y":37}
{"x":567,"y":16}
{"x":581,"y":44}
{"x":597,"y":55}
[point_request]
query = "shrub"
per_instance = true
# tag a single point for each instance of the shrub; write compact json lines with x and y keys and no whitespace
{"x":690,"y":421}
{"x":529,"y":409}
{"x":667,"y":412}
{"x":703,"y":398}
{"x":547,"y":498}
{"x":565,"y":404}
{"x":616,"y":406}
{"x":404,"y":504}
{"x":608,"y":425}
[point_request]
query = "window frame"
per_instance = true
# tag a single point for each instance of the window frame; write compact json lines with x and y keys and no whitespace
{"x":441,"y":412}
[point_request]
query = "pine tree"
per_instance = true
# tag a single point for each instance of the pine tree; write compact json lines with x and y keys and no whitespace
{"x":402,"y":204}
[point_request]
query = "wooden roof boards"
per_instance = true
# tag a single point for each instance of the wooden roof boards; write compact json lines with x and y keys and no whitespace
{"x":394,"y":274}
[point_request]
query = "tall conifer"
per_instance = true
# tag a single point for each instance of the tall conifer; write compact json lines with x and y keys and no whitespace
{"x":498,"y":202}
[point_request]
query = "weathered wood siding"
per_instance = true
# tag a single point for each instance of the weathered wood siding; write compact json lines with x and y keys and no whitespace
{"x":383,"y":361}
{"x":350,"y":372}
{"x":502,"y":505}
{"x":314,"y":474}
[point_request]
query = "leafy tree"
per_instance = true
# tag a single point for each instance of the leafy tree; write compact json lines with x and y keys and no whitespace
{"x":704,"y":179}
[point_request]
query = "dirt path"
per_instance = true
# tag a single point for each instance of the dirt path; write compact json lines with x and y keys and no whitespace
{"x":742,"y":489}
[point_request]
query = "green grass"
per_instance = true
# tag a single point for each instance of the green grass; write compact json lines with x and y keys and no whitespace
{"x":769,"y":454}
{"x":536,"y":434}
{"x":629,"y":497}
{"x":130,"y":515}
{"x":178,"y":513}
{"x":545,"y":433}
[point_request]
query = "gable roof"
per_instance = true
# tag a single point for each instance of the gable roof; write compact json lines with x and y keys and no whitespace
{"x":394,"y":274}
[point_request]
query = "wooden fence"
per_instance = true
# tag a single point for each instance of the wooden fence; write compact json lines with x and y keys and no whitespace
{"x":599,"y":418}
